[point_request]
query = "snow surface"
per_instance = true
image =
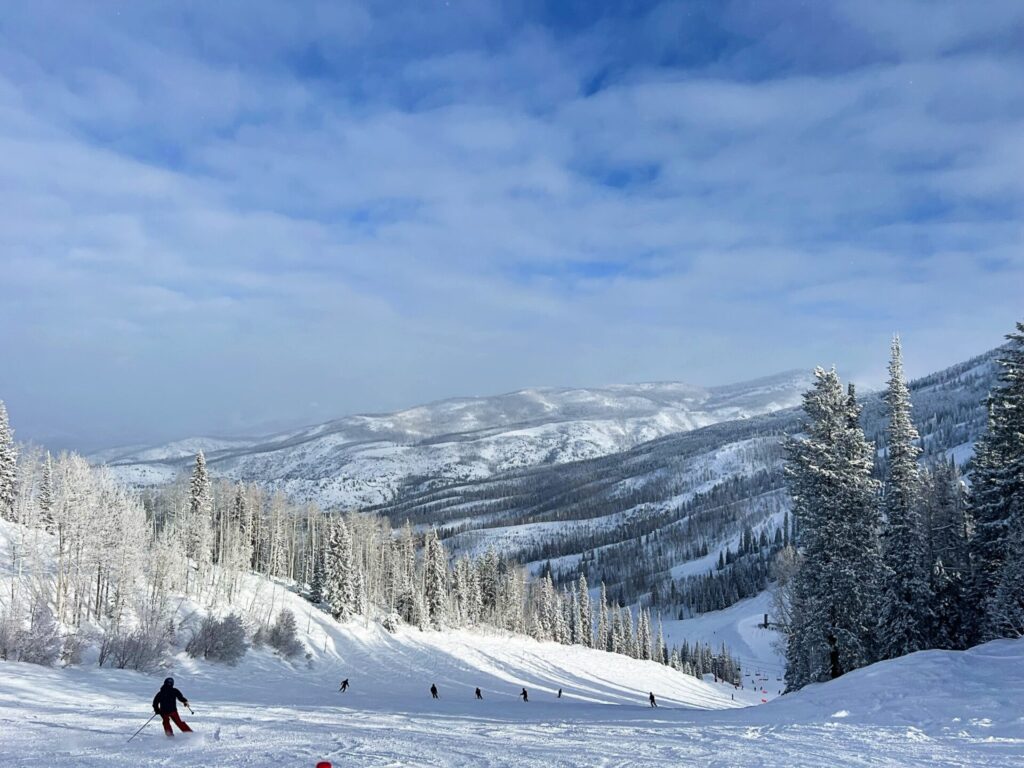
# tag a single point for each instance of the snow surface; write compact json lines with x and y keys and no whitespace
{"x":740,"y":627}
{"x":932,"y":709}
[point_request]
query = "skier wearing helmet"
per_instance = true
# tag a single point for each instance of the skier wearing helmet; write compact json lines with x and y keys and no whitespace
{"x":165,"y":704}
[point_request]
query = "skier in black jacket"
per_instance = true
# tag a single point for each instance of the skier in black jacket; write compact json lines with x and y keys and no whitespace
{"x":525,"y":695}
{"x":165,"y":704}
{"x":433,"y":691}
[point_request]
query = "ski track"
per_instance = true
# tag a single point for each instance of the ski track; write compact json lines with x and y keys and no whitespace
{"x":935,"y":708}
{"x":83,"y":717}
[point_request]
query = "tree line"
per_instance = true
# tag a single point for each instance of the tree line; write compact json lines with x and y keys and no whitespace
{"x":892,"y":557}
{"x":125,"y":562}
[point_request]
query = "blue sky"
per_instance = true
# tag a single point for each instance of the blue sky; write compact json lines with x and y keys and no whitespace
{"x":226,"y":217}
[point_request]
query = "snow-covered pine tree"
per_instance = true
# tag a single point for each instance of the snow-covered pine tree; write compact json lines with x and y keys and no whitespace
{"x":197,"y":530}
{"x":559,"y":626}
{"x":340,"y":583}
{"x":45,"y":498}
{"x":603,"y":640}
{"x":629,"y":638}
{"x":435,"y":580}
{"x":8,"y":465}
{"x":585,"y":618}
{"x":572,"y":615}
{"x":616,"y":642}
{"x":643,"y":634}
{"x":998,"y":500}
{"x":949,"y":556}
{"x":833,"y":593}
{"x":905,"y":602}
{"x":318,"y":581}
{"x":510,"y":602}
{"x":659,"y":645}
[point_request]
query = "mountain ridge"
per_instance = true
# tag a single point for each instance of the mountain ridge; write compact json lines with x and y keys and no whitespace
{"x":459,"y":437}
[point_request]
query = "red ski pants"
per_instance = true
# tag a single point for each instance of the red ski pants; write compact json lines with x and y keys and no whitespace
{"x":177,"y":721}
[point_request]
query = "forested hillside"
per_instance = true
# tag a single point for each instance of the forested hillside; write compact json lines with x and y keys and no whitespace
{"x":655,"y":522}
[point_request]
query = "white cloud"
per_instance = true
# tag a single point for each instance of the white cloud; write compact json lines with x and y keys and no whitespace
{"x":201,"y":233}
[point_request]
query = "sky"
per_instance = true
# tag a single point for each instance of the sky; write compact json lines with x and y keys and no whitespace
{"x":225,"y":218}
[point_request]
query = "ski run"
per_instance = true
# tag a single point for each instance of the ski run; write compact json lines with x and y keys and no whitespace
{"x":931,"y":708}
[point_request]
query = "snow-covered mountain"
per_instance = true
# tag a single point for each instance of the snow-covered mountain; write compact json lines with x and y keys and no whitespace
{"x":369,"y":459}
{"x":655,"y":517}
{"x":639,"y":486}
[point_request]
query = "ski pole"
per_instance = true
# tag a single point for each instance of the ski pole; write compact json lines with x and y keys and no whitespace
{"x":189,"y":708}
{"x":143,"y":726}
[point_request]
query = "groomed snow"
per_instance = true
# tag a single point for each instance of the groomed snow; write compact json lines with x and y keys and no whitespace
{"x":934,"y":708}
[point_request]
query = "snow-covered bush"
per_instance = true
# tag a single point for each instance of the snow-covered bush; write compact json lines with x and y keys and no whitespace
{"x":391,"y":622}
{"x":40,"y":641}
{"x":142,"y":648}
{"x":283,"y":636}
{"x":72,"y":649}
{"x":34,"y":639}
{"x":219,"y":640}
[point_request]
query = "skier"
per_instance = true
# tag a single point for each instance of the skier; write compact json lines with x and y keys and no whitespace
{"x":344,"y":685}
{"x":478,"y":694}
{"x":165,"y":704}
{"x":525,"y":695}
{"x":559,"y":693}
{"x":433,"y":691}
{"x":651,"y":699}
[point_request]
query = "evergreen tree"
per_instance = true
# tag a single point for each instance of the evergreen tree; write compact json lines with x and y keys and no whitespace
{"x":198,"y":532}
{"x":833,"y":594}
{"x":905,"y":608}
{"x":340,"y":581}
{"x":318,"y":581}
{"x":643,"y":634}
{"x":998,"y":501}
{"x":45,"y":500}
{"x":629,"y":643}
{"x":585,"y":620}
{"x":947,"y":543}
{"x":8,"y":466}
{"x":435,"y":580}
{"x":603,"y":638}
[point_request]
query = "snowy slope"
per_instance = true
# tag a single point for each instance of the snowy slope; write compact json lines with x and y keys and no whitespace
{"x":931,"y":709}
{"x":366,"y":459}
{"x":740,"y":627}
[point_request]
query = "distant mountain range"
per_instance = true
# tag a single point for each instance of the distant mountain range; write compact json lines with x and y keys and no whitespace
{"x":640,"y":486}
{"x":362,"y":460}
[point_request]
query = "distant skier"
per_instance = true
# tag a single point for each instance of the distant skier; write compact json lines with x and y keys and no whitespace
{"x":651,"y":699}
{"x":344,"y":685}
{"x":478,"y":694}
{"x":525,"y":695}
{"x":559,"y":693}
{"x":433,"y":691}
{"x":165,"y":704}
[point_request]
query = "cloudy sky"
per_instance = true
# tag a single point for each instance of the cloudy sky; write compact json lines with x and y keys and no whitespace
{"x":225,"y":217}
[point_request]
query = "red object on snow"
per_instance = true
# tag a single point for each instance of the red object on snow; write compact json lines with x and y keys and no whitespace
{"x":182,"y":725}
{"x":323,"y":764}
